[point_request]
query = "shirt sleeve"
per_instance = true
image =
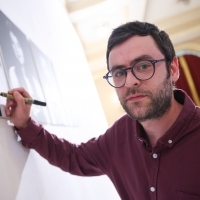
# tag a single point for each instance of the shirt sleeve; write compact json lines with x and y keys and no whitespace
{"x":87,"y":159}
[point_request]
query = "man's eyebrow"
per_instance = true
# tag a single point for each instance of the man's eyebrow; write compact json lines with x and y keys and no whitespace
{"x":139,"y":58}
{"x":142,"y":57}
{"x":117,"y":67}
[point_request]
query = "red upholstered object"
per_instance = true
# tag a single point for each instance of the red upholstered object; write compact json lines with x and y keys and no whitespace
{"x":193,"y":63}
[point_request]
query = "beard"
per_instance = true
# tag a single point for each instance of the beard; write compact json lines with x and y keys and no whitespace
{"x":159,"y":103}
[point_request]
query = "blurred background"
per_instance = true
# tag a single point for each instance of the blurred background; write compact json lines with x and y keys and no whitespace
{"x":94,"y":20}
{"x":70,"y":38}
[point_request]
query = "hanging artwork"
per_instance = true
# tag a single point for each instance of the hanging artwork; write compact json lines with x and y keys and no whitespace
{"x":19,"y":65}
{"x":58,"y":113}
{"x":3,"y":82}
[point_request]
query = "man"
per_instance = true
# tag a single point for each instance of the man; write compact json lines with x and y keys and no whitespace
{"x":153,"y":152}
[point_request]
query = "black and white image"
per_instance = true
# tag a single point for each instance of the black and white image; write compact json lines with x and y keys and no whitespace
{"x":19,"y":65}
{"x":3,"y":82}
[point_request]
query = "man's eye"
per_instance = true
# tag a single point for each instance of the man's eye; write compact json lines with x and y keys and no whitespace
{"x":143,"y":67}
{"x":118,"y":73}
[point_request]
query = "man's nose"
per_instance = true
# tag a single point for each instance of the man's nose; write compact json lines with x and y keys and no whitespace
{"x":131,"y":80}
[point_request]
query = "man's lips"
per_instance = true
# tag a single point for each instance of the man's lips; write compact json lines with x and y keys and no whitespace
{"x":136,"y":97}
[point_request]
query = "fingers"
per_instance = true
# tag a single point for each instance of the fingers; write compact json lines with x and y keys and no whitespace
{"x":17,"y":109}
{"x":18,"y":98}
{"x":9,"y":105}
{"x":20,"y":90}
{"x":18,"y":94}
{"x":7,"y":109}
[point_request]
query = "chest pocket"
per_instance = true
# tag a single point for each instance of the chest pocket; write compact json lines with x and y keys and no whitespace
{"x":185,"y":196}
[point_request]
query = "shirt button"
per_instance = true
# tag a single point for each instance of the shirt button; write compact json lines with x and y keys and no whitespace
{"x":152,"y":189}
{"x":155,"y":155}
{"x":169,"y":141}
{"x":140,"y":140}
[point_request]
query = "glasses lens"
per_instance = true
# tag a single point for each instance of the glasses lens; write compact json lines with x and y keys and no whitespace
{"x":143,"y":70}
{"x":117,"y":77}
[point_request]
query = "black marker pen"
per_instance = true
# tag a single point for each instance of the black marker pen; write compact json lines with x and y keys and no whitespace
{"x":27,"y":100}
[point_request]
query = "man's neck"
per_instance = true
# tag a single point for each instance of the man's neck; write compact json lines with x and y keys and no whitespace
{"x":156,"y":128}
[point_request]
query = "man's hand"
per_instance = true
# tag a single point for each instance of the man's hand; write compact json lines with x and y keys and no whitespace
{"x":18,"y":110}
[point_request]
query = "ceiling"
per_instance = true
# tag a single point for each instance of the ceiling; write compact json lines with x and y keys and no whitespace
{"x":94,"y":20}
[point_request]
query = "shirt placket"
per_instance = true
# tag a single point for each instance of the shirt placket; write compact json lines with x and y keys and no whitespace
{"x":155,"y":158}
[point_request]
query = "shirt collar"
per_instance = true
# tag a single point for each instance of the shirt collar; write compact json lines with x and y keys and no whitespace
{"x":178,"y":129}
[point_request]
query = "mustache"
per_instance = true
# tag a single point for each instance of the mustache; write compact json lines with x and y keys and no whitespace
{"x":138,"y":91}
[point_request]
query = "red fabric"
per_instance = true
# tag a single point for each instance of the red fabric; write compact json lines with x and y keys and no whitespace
{"x":193,"y":63}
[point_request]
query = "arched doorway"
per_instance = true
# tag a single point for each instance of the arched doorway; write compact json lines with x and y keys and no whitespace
{"x":189,"y":80}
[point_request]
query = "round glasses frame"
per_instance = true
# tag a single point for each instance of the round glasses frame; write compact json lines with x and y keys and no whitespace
{"x":153,"y":62}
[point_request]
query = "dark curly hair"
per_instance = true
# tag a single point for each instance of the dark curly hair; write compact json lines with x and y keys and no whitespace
{"x":125,"y":31}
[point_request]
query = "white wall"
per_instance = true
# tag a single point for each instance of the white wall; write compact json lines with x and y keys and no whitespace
{"x":24,"y":173}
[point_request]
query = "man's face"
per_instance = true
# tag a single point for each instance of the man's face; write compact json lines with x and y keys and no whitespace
{"x":17,"y":48}
{"x":142,"y":100}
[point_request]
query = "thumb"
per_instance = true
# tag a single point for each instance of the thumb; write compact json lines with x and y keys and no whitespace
{"x":18,"y":98}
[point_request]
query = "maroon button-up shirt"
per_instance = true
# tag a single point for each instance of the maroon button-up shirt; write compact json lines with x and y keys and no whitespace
{"x":168,"y":171}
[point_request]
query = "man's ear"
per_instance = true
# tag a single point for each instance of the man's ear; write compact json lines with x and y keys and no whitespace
{"x":174,"y":70}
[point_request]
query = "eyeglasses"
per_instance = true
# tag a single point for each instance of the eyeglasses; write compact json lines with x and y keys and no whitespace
{"x":142,"y":70}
